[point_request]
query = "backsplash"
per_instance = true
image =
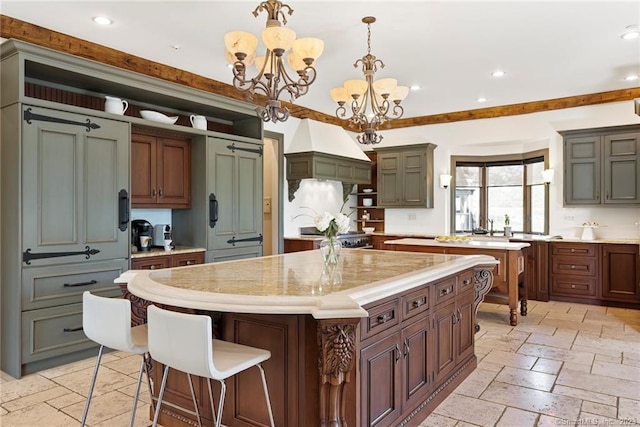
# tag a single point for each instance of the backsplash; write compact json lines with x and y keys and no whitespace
{"x":154,"y":216}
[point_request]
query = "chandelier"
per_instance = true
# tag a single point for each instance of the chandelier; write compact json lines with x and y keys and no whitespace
{"x":272,"y":78}
{"x":371,"y":101}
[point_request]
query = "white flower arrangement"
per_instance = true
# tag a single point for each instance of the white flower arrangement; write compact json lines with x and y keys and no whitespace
{"x":328,"y":224}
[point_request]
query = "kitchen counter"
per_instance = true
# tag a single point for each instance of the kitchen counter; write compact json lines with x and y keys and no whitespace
{"x":507,"y":278}
{"x":159,"y":251}
{"x":319,"y":322}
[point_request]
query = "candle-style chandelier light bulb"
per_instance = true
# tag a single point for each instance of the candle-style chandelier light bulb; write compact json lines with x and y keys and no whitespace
{"x":371,"y":101}
{"x":272,"y":78}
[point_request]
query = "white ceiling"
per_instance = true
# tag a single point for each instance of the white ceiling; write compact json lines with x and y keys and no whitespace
{"x":549,"y":49}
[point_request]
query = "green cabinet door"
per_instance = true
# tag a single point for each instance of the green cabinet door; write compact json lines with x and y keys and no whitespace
{"x":73,"y":169}
{"x":234,"y":184}
{"x":622,"y":168}
{"x":389,"y":179}
{"x":582,"y":170}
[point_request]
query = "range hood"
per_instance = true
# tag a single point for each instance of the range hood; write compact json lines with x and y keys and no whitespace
{"x":324,"y":151}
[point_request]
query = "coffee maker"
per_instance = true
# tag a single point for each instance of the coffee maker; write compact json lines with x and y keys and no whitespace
{"x":142,"y":234}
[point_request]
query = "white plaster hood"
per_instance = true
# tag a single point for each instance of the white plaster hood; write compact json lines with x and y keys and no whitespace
{"x":325,"y":152}
{"x":314,"y":136}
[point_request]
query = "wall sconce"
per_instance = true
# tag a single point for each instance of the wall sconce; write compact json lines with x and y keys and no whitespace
{"x":547,"y":176}
{"x":445,"y":180}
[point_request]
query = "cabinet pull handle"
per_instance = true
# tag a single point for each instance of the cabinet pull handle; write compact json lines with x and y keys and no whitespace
{"x":213,"y":210}
{"x":417,"y":303}
{"x":152,"y":267}
{"x":459,"y":315}
{"x":466,"y":282}
{"x":446,"y":291}
{"x":123,"y":210}
{"x":189,"y":262}
{"x":73,"y":285}
{"x":153,"y":192}
{"x":161,"y":193}
{"x":454,"y":318}
{"x":397,"y":353}
{"x":384,"y":318}
{"x":573,"y":286}
{"x":76,"y":329}
{"x":407,"y":349}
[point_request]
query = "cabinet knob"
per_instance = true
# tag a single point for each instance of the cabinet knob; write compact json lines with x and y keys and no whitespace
{"x":573,"y":286}
{"x":160,"y":193}
{"x":153,"y":267}
{"x":189,"y":262}
{"x":573,"y":267}
{"x":573,"y":250}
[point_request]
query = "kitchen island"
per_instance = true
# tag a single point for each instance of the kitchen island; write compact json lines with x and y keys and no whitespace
{"x":380,"y":338}
{"x":508,"y":275}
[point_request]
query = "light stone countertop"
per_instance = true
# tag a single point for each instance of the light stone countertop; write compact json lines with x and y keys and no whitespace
{"x":158,"y":251}
{"x":482,"y":244}
{"x":519,"y":237}
{"x":297,"y":283}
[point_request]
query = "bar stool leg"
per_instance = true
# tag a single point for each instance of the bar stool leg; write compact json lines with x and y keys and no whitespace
{"x":146,"y":370}
{"x":223,"y":391}
{"x":266,"y":393}
{"x":162,"y":387}
{"x":213,"y":409}
{"x":135,"y":398}
{"x":93,"y":383}
{"x":193,"y":397}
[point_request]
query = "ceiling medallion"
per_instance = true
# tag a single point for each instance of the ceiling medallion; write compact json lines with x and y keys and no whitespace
{"x":272,"y":78}
{"x":371,"y":101}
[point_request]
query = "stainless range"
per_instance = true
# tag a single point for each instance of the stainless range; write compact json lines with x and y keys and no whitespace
{"x":352,"y":239}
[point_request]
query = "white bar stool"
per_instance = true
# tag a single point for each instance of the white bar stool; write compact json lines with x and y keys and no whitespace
{"x":107,"y":321}
{"x":184,"y":342}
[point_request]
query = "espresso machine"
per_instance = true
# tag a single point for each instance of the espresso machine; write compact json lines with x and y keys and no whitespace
{"x":142,"y":234}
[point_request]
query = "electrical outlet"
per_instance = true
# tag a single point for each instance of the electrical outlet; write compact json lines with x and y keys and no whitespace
{"x":411,"y":217}
{"x":569,"y":218}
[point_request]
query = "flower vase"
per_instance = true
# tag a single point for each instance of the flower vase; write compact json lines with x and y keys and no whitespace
{"x":330,"y":247}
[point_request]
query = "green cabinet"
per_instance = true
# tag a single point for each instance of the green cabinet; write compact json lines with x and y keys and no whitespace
{"x":405,"y":176}
{"x":602,"y":166}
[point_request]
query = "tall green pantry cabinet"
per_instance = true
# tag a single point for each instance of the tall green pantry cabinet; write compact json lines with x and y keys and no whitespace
{"x":65,"y":191}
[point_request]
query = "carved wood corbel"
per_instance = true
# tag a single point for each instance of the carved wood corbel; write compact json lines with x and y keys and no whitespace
{"x":483,"y":279}
{"x":337,"y":341}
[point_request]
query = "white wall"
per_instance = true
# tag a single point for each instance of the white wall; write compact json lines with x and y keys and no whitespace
{"x":514,"y":134}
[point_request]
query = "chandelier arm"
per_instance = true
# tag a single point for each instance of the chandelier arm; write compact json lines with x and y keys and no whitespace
{"x":398,"y":111}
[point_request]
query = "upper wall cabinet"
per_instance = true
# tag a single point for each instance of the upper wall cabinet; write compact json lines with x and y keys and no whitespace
{"x":160,"y":171}
{"x":602,"y":166}
{"x":405,"y":176}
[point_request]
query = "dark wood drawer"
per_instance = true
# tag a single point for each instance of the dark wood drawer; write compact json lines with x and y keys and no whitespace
{"x":465,"y":281}
{"x":381,"y":317}
{"x":574,"y":266}
{"x":191,"y":258}
{"x":573,"y":286}
{"x":51,"y":332}
{"x":64,"y":284}
{"x":571,"y":248}
{"x":445,"y":290}
{"x":151,"y":263}
{"x":415,"y":302}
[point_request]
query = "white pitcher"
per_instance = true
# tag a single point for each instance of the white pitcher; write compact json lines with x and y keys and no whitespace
{"x":198,"y":122}
{"x":115,"y":105}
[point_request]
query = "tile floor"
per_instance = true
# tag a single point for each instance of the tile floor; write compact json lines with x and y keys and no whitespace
{"x":563,"y":365}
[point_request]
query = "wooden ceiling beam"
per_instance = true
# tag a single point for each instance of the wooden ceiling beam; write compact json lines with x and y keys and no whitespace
{"x":25,"y":31}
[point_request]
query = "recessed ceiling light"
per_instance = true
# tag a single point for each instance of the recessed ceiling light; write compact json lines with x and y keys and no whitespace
{"x":631,"y":77}
{"x":631,"y":32}
{"x":498,"y":73}
{"x":481,"y":99}
{"x":415,"y":87}
{"x":102,"y":20}
{"x":175,"y":46}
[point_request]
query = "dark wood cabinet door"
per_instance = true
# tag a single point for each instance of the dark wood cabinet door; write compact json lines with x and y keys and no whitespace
{"x":417,"y":371}
{"x":173,"y":165}
{"x":620,"y":272}
{"x":444,"y":340}
{"x":144,"y":187}
{"x":465,"y":327}
{"x":380,"y":378}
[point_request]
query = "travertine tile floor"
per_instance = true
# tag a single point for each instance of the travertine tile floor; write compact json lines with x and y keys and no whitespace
{"x":563,"y":365}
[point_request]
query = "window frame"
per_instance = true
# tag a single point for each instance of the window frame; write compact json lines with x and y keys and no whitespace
{"x":499,"y":160}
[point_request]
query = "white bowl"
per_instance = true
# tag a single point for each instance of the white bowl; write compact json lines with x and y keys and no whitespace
{"x":368,"y":230}
{"x":367,"y":202}
{"x":368,"y":190}
{"x":158,"y":117}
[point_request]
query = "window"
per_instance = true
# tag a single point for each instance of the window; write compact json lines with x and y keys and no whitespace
{"x":489,"y":188}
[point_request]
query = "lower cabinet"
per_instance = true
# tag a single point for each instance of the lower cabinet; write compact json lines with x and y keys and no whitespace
{"x":166,"y":261}
{"x":405,"y":356}
{"x":620,"y":272}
